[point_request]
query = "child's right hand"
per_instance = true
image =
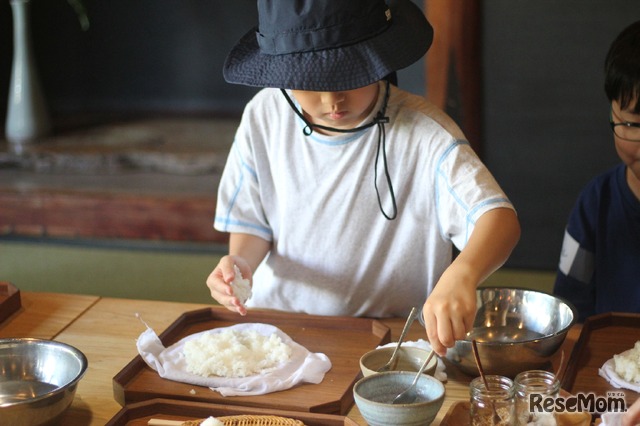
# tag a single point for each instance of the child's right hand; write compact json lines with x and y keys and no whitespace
{"x":219,"y":282}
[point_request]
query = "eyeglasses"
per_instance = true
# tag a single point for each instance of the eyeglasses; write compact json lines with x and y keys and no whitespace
{"x":624,"y":129}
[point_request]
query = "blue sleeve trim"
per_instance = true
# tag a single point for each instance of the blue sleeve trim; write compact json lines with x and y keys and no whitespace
{"x":225,"y":223}
{"x":440,"y":175}
{"x":234,"y":197}
{"x":469,"y":212}
{"x":245,"y":165}
{"x":485,"y":203}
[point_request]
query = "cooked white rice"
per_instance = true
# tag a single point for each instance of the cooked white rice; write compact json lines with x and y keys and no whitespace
{"x":543,"y":419}
{"x":211,"y":421}
{"x":627,"y":365}
{"x":233,"y":353}
{"x":241,"y":287}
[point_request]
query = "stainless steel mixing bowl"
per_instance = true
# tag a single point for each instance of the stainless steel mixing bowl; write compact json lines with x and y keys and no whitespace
{"x":515,"y":330}
{"x":38,"y":380}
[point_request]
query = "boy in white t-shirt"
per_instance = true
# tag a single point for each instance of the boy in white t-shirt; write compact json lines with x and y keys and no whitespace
{"x":343,"y":194}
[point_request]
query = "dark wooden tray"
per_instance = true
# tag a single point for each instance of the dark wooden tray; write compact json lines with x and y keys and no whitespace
{"x":458,"y":415}
{"x":139,"y":414}
{"x":9,"y":300}
{"x":343,"y":339}
{"x":601,"y":337}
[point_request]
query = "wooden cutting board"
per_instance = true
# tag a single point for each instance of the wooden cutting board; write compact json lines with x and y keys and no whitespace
{"x":343,"y":339}
{"x":139,"y":414}
{"x":9,"y":300}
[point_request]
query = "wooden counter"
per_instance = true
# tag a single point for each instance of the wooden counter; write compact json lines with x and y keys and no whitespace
{"x":105,"y":330}
{"x":45,"y":315}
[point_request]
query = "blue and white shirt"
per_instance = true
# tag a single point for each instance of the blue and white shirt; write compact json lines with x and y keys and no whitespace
{"x":599,"y":268}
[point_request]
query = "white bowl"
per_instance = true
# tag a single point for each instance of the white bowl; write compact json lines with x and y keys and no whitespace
{"x":408,"y":359}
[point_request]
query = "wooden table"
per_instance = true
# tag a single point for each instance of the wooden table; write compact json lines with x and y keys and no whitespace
{"x":45,"y":315}
{"x":105,"y":330}
{"x":107,"y":335}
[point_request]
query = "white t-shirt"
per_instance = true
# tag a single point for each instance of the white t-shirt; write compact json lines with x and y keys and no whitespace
{"x":313,"y":197}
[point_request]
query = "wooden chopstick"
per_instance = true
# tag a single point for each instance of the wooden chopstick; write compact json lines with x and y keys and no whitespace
{"x":474,"y":346}
{"x":560,"y":371}
{"x":164,"y":422}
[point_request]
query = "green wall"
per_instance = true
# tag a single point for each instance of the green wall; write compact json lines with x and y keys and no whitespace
{"x":158,"y":271}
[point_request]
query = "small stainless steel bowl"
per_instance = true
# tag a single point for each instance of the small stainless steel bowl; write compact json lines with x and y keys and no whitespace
{"x":38,"y":380}
{"x":515,"y":330}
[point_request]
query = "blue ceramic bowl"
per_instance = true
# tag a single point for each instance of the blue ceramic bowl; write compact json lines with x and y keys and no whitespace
{"x":373,"y":395}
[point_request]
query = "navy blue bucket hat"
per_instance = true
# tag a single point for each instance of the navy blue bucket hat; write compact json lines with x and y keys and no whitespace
{"x":328,"y":45}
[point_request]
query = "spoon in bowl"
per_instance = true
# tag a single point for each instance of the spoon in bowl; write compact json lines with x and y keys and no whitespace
{"x":410,"y":394}
{"x":389,"y":365}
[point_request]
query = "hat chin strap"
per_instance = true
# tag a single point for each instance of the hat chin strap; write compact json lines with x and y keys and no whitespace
{"x":380,"y":119}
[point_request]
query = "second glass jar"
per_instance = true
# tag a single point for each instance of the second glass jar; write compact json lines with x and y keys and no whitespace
{"x":536,"y":384}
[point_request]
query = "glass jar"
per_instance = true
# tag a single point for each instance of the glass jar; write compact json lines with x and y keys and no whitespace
{"x":498,"y":398}
{"x":532,"y":388}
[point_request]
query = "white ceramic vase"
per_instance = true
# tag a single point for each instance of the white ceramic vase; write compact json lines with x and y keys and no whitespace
{"x":27,"y":114}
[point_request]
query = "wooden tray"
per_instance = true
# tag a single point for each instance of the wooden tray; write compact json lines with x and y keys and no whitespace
{"x":601,"y":337}
{"x":458,"y":415}
{"x":9,"y":300}
{"x":138,"y":414}
{"x":343,"y":339}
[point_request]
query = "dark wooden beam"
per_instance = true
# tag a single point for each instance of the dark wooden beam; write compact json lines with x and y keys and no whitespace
{"x":453,"y":64}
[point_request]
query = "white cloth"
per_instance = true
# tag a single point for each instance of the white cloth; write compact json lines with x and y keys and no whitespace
{"x":313,"y":197}
{"x":608,"y":372}
{"x":611,"y":419}
{"x":440,"y":372}
{"x":170,"y":363}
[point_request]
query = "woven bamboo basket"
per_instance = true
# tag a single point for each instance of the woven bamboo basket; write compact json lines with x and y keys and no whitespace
{"x":249,"y":420}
